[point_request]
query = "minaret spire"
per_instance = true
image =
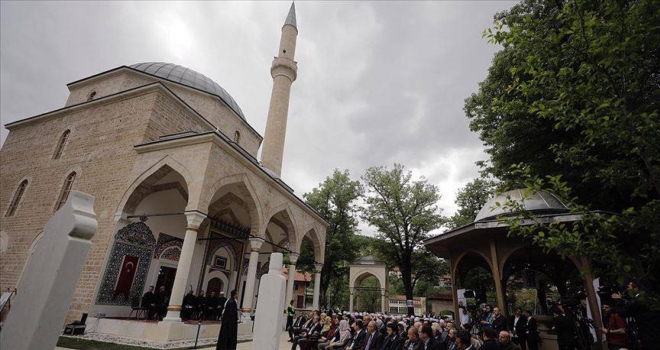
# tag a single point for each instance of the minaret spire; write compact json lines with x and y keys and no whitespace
{"x":284,"y":72}
{"x":291,"y":18}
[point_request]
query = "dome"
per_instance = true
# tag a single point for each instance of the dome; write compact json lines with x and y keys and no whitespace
{"x":189,"y":78}
{"x":541,"y":202}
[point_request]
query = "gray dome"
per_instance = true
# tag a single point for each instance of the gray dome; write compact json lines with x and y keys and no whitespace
{"x":189,"y":78}
{"x":541,"y":202}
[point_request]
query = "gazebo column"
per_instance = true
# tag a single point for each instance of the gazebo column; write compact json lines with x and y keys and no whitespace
{"x":248,"y":294}
{"x":454,"y":283}
{"x":588,"y":280}
{"x":293,"y":258}
{"x":194,"y":220}
{"x":350,"y":300}
{"x":495,"y":269}
{"x":383,"y":301}
{"x":317,"y":286}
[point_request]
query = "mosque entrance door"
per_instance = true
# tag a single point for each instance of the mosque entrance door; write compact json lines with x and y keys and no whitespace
{"x":166,"y":277}
{"x":214,"y":285}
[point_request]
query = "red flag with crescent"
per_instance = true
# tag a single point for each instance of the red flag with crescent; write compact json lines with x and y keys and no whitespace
{"x":125,"y":281}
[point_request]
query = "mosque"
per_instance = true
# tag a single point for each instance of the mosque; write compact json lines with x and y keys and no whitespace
{"x":180,"y":197}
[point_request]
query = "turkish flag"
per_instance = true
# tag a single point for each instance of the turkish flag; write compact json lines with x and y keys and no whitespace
{"x":125,"y":281}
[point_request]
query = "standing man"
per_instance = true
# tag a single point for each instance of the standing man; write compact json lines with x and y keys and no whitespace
{"x":565,"y":329}
{"x":518,"y":327}
{"x":229,"y":329}
{"x":499,"y":321}
{"x":532,"y":331}
{"x":616,"y":329}
{"x":289,"y":319}
{"x":222,"y":300}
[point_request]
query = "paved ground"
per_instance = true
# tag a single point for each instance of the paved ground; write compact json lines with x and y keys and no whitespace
{"x":284,"y":344}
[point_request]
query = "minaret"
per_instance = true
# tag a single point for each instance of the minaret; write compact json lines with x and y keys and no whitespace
{"x":284,"y":72}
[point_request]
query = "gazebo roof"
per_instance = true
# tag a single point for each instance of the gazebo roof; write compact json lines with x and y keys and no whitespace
{"x":368,"y":260}
{"x":465,"y":236}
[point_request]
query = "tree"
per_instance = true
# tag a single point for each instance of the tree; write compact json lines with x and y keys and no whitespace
{"x":572,"y":103}
{"x":335,"y":200}
{"x":470,"y":199}
{"x":404,"y":212}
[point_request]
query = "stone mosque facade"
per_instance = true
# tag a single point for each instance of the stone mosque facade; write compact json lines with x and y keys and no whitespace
{"x":180,"y":197}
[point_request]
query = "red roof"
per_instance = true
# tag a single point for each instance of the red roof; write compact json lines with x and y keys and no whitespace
{"x":299,"y":276}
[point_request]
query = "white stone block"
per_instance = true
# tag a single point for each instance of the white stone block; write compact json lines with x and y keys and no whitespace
{"x":49,"y":281}
{"x":270,"y":307}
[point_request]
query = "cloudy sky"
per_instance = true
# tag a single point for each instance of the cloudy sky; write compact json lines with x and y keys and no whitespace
{"x":378,"y":82}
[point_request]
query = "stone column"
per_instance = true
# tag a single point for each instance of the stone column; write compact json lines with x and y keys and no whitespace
{"x":383,"y":301}
{"x":293,"y":258}
{"x":248,"y":295}
{"x":317,"y":286}
{"x":183,"y":268}
{"x":350,"y":301}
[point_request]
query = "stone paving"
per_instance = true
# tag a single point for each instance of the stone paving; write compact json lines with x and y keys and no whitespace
{"x":205,"y":344}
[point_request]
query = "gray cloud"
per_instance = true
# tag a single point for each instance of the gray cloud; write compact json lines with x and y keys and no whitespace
{"x":379,"y":82}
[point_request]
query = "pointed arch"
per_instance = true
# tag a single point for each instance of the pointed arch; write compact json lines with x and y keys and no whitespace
{"x":312,"y":234}
{"x":151,"y":175}
{"x":359,"y":277}
{"x":17,"y":196}
{"x":287,"y":218}
{"x":247,"y":190}
{"x":61,"y":143}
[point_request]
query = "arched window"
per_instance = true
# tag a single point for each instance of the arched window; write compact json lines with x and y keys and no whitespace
{"x":91,"y":95}
{"x":64,"y":195}
{"x":237,"y":136}
{"x":61,"y":144}
{"x":17,"y":198}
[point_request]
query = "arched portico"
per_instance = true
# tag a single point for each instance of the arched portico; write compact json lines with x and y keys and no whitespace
{"x":362,"y":269}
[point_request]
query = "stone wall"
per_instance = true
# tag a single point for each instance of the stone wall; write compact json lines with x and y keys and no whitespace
{"x":211,"y":107}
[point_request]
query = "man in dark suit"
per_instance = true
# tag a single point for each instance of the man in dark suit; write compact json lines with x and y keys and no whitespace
{"x":298,"y":326}
{"x":532,"y":331}
{"x":489,"y":340}
{"x":374,"y":337}
{"x":149,"y":301}
{"x":212,"y":307}
{"x":428,"y":341}
{"x":392,"y":340}
{"x":499,"y":321}
{"x":565,"y":329}
{"x":360,"y":337}
{"x":518,"y":327}
{"x":162,"y":301}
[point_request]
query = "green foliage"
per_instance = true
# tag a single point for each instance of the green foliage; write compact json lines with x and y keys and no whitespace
{"x":573,"y":101}
{"x":470,"y":199}
{"x":370,"y":299}
{"x":404,"y":212}
{"x":335,"y":200}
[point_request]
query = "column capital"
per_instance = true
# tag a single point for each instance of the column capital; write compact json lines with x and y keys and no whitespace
{"x":318,"y":267}
{"x":194,"y":220}
{"x":293,"y":258}
{"x":255,"y":243}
